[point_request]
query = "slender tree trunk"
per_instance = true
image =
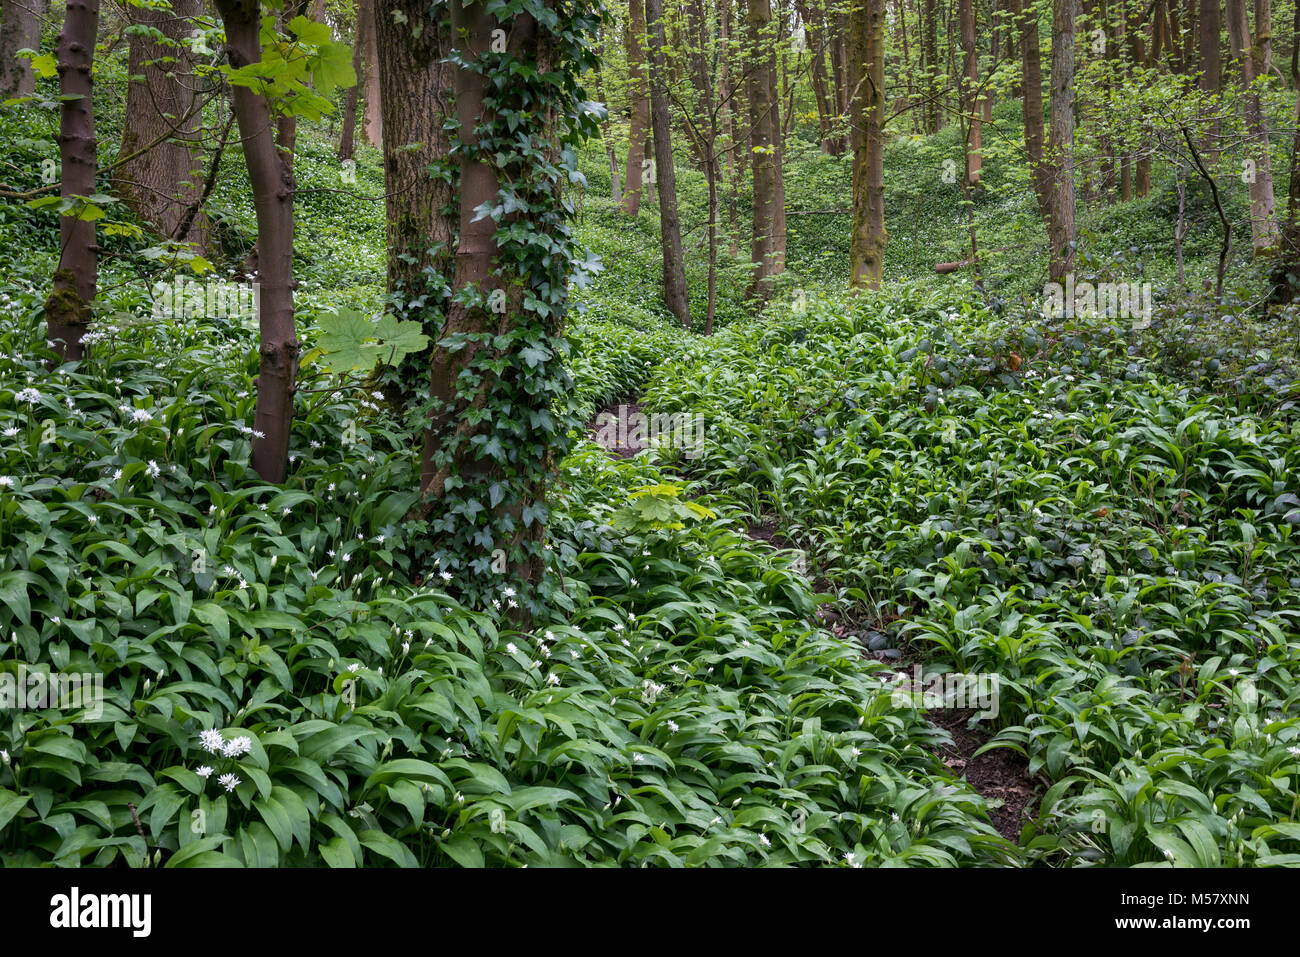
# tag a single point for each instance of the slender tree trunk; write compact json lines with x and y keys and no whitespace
{"x":1263,"y":224}
{"x":68,"y":310}
{"x":767,"y":252}
{"x":970,"y":84}
{"x":368,"y":38}
{"x":1141,"y":55}
{"x":665,"y":172}
{"x":778,"y":157}
{"x":1060,"y":229}
{"x":272,"y":184}
{"x":729,"y":109}
{"x":615,"y":182}
{"x":1032,"y":65}
{"x":867,"y":46}
{"x":347,"y":139}
{"x":160,"y":185}
{"x":637,"y":171}
{"x":815,"y":36}
{"x":20,"y":29}
{"x":837,"y":23}
{"x":930,"y":63}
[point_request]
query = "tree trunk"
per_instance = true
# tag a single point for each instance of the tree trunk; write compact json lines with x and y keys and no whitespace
{"x":1032,"y":65}
{"x":1060,"y":229}
{"x":615,"y":183}
{"x":347,"y":139}
{"x":68,"y":308}
{"x":815,"y":35}
{"x":767,"y":251}
{"x":729,"y":109}
{"x":867,"y":111}
{"x":367,"y":27}
{"x":20,"y":29}
{"x":272,"y":184}
{"x":637,"y":168}
{"x":1263,"y":225}
{"x":1211,"y":70}
{"x":161,"y":184}
{"x":970,"y":84}
{"x":414,"y":106}
{"x":665,"y":172}
{"x":930,"y":63}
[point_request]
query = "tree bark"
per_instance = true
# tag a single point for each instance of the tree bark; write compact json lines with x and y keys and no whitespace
{"x":272,"y":183}
{"x":1060,"y":229}
{"x":867,"y":111}
{"x":161,"y":184}
{"x":347,"y":138}
{"x":1263,"y":224}
{"x":637,"y":171}
{"x":20,"y":29}
{"x":1032,"y":65}
{"x":414,"y":106}
{"x":68,"y":309}
{"x":970,"y":84}
{"x":1211,"y":69}
{"x":930,"y":63}
{"x":768,"y":249}
{"x":373,"y":126}
{"x":665,"y":172}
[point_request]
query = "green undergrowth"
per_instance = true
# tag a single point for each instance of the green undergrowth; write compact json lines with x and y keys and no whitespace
{"x":678,"y":709}
{"x":1121,"y":550}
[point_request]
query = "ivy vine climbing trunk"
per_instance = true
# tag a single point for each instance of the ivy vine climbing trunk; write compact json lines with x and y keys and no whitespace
{"x":866,"y":125}
{"x":665,"y":172}
{"x":273,"y":187}
{"x":68,"y":309}
{"x":495,"y":439}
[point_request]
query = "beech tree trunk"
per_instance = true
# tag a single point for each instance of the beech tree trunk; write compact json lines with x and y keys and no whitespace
{"x":637,"y":172}
{"x":20,"y":29}
{"x":1263,"y":224}
{"x":161,"y":184}
{"x":665,"y":173}
{"x":68,"y":309}
{"x":272,"y":183}
{"x":1060,"y":228}
{"x":867,"y":112}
